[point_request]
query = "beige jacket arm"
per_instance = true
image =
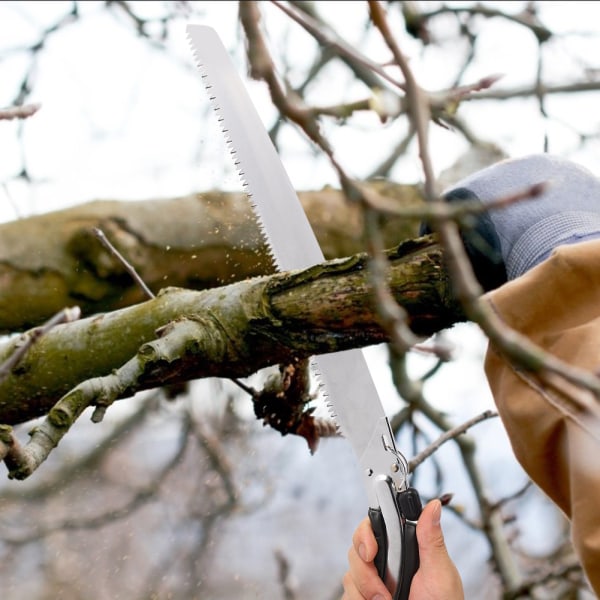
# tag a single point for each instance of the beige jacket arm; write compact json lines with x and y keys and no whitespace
{"x":556,"y":440}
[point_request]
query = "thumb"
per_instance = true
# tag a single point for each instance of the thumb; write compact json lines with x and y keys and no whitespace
{"x":437,"y":577}
{"x":432,"y":548}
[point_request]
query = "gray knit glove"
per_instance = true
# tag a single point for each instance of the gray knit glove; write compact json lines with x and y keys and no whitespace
{"x":506,"y":242}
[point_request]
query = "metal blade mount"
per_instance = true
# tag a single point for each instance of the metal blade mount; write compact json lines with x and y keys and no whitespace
{"x":348,"y":384}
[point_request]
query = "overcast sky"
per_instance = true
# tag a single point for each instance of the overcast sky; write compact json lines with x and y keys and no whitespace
{"x":121,"y":119}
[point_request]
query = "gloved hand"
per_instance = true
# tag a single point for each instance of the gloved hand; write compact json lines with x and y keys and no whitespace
{"x":506,"y":242}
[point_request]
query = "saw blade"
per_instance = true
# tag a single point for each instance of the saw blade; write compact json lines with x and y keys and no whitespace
{"x":349,"y":388}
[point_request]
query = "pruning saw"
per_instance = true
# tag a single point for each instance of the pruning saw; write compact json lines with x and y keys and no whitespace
{"x":394,"y":506}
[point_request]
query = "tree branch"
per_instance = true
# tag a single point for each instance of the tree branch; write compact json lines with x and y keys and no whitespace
{"x":240,"y":328}
{"x":200,"y":241}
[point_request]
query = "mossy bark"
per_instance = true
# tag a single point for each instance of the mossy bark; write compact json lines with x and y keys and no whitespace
{"x":244,"y":326}
{"x":196,"y":242}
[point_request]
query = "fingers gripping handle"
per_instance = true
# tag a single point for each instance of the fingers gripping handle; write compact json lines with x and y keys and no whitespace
{"x":397,"y":565}
{"x":378,"y":526}
{"x":399,"y":585}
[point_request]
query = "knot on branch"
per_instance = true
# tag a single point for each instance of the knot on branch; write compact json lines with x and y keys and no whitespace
{"x":283,"y":404}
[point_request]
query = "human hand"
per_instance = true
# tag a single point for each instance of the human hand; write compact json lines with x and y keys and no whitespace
{"x":436,"y":579}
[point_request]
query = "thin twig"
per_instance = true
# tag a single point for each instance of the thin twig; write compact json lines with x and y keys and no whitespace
{"x":140,"y":497}
{"x":393,"y":317}
{"x":418,"y":106}
{"x":559,"y":573}
{"x":492,"y":522}
{"x":249,"y":390}
{"x":19,"y":112}
{"x":447,"y":436}
{"x":524,"y":19}
{"x":283,"y":569}
{"x":342,"y":48}
{"x":66,"y":315}
{"x":467,"y":289}
{"x":129,"y":267}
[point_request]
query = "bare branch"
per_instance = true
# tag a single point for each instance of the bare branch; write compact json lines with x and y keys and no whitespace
{"x":19,"y":112}
{"x":139,"y":498}
{"x":283,"y":567}
{"x":492,"y":522}
{"x":447,"y":436}
{"x":348,"y":53}
{"x":128,"y":266}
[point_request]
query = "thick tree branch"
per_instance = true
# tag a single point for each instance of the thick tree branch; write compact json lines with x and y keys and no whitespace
{"x":199,"y":241}
{"x":237,"y":330}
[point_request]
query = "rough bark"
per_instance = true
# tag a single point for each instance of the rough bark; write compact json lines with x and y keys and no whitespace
{"x":230,"y":331}
{"x":199,"y":241}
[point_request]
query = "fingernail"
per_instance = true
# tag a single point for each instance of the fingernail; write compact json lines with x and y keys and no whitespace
{"x":378,"y":597}
{"x":445,"y":499}
{"x":362,"y":552}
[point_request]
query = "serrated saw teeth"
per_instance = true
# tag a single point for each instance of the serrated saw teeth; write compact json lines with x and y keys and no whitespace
{"x":283,"y":223}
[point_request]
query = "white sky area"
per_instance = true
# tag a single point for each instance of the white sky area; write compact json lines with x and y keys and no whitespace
{"x":122,"y":120}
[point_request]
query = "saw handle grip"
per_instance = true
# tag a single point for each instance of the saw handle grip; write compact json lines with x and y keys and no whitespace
{"x":411,"y":560}
{"x":398,"y":583}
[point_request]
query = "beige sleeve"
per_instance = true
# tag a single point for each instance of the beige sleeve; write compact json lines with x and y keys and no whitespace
{"x":554,"y":427}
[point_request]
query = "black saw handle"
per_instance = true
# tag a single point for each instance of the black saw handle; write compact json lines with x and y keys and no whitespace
{"x":408,"y":505}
